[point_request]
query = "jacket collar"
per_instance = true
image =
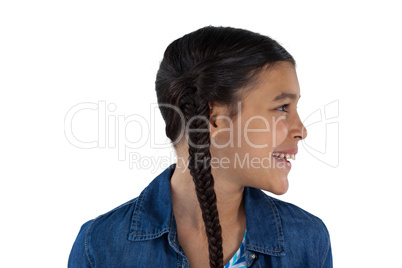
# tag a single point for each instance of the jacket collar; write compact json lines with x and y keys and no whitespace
{"x":153,"y":216}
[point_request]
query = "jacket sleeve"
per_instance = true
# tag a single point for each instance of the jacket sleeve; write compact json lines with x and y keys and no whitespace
{"x":79,"y":255}
{"x":327,"y":257}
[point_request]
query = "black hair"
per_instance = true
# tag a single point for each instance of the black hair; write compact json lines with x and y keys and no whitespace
{"x":210,"y":65}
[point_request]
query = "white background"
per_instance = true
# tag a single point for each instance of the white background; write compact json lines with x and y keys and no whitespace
{"x":57,"y":54}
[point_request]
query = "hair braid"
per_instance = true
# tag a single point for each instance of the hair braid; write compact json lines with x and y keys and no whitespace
{"x":196,"y":110}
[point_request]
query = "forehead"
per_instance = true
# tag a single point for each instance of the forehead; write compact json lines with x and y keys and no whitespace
{"x":279,"y":78}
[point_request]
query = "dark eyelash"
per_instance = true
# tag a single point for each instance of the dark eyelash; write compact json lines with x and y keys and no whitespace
{"x":285,"y":106}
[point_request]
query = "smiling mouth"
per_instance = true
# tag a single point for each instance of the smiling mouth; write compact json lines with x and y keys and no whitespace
{"x":283,"y":156}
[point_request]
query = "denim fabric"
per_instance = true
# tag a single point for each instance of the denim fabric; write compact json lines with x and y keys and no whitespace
{"x":143,"y":233}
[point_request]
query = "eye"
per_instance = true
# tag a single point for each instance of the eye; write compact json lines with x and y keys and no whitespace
{"x":283,"y":106}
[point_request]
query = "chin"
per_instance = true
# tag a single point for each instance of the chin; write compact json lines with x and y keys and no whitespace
{"x":279,"y":188}
{"x":280,"y":192}
{"x":277,"y":184}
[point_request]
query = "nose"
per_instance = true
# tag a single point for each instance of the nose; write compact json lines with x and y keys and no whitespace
{"x":299,"y":130}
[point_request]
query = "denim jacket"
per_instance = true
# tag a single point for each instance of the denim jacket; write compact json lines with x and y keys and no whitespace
{"x":143,"y":233}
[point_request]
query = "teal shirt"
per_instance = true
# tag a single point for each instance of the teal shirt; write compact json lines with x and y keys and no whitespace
{"x":239,"y":258}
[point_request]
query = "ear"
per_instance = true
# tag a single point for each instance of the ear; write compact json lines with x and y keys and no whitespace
{"x":212,"y":117}
{"x":215,"y":114}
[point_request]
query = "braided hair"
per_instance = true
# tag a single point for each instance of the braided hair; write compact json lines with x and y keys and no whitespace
{"x":210,"y":65}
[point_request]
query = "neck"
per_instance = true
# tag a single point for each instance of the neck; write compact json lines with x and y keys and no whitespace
{"x":229,"y":198}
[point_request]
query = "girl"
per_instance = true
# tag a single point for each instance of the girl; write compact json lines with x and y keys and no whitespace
{"x":228,"y":97}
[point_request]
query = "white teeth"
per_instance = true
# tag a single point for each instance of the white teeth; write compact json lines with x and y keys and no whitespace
{"x":287,"y":156}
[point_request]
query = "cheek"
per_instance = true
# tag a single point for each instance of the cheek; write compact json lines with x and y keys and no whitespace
{"x":264,"y":134}
{"x":280,"y":132}
{"x":235,"y":139}
{"x":256,"y":133}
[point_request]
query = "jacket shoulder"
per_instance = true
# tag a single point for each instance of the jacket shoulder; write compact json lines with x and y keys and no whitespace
{"x":303,"y":230}
{"x":294,"y":215}
{"x":94,"y":233}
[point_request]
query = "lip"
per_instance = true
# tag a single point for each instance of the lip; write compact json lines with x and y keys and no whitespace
{"x":289,"y":151}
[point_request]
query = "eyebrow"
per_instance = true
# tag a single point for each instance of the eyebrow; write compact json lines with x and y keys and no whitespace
{"x":285,"y":95}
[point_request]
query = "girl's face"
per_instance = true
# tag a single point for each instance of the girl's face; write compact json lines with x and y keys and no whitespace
{"x":267,"y":122}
